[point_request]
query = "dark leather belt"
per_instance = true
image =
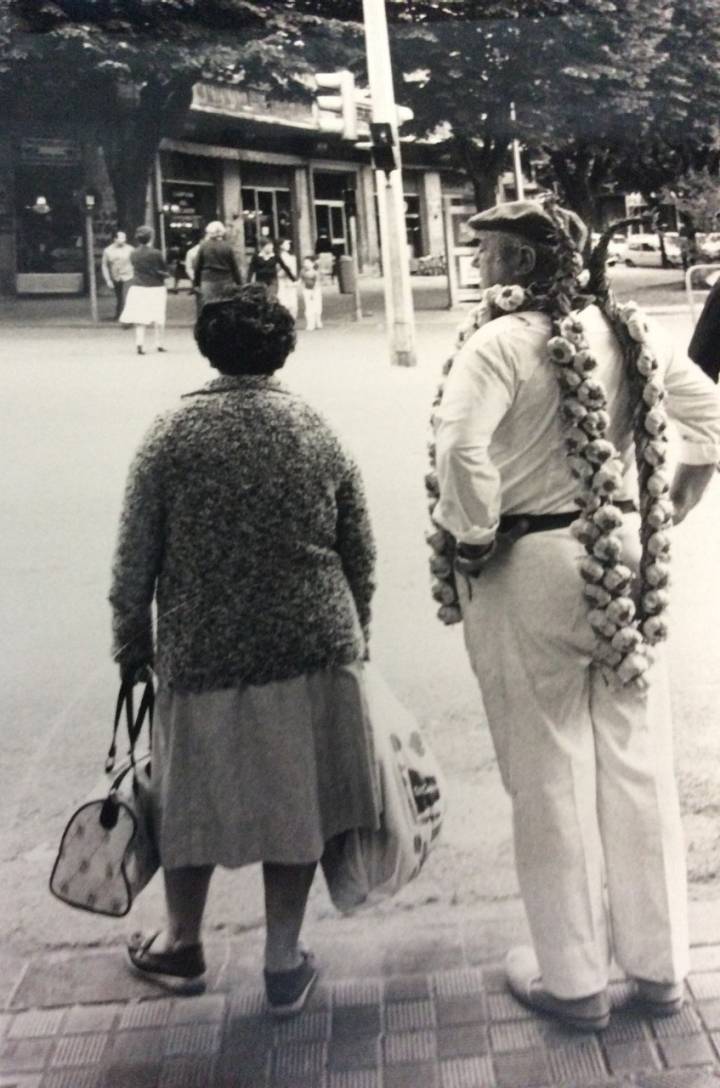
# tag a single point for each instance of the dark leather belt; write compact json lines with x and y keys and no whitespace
{"x":542,"y":523}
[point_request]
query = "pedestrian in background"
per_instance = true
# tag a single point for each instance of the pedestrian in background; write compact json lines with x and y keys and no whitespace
{"x":311,"y":293}
{"x":287,"y":277}
{"x":704,"y":346}
{"x":191,"y":260}
{"x":264,"y":266}
{"x":146,"y":302}
{"x":117,"y":269}
{"x":245,"y":520}
{"x":216,"y":267}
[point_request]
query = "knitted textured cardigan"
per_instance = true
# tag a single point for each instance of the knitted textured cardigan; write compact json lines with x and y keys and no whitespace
{"x":246,"y":521}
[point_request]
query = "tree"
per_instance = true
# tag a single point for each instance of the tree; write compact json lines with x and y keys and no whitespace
{"x":460,"y":75}
{"x":592,"y":80}
{"x":127,"y":67}
{"x":696,"y":195}
{"x":680,"y":134}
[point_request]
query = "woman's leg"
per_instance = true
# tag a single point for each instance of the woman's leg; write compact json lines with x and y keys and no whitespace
{"x":286,"y":893}
{"x":186,"y":893}
{"x":140,"y":337}
{"x":159,"y":336}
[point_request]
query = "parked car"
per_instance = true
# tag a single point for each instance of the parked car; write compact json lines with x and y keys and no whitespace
{"x":644,"y":251}
{"x":708,"y":246}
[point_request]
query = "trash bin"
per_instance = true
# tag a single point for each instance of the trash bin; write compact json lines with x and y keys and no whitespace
{"x":346,"y":275}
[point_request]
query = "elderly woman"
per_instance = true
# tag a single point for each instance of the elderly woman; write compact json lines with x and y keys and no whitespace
{"x":216,"y":268}
{"x":245,"y":521}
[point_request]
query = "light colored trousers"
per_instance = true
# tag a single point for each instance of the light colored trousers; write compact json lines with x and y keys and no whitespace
{"x":589,"y":767}
{"x":313,"y":300}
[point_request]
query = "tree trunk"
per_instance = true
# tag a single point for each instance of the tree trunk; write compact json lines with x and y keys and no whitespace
{"x":131,"y":145}
{"x":572,"y":171}
{"x":482,"y":165}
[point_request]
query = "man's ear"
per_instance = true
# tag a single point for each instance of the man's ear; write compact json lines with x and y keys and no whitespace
{"x":526,"y":260}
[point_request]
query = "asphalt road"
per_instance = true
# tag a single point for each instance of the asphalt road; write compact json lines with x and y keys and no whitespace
{"x":74,"y":405}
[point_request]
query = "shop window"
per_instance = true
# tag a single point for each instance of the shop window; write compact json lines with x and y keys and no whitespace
{"x":266,"y":213}
{"x":188,"y":207}
{"x":49,"y":219}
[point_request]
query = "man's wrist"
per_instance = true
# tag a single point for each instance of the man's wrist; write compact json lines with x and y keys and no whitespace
{"x":475,"y":551}
{"x":471,"y":558}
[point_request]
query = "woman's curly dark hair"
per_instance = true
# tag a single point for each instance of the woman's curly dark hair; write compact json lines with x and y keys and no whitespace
{"x":245,"y":332}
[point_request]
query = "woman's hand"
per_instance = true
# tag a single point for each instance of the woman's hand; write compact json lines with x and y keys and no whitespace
{"x":135,"y":673}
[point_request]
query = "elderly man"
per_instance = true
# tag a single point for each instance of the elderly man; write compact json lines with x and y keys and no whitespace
{"x":586,"y":760}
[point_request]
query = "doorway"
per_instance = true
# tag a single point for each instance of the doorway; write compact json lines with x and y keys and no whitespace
{"x":331,"y":223}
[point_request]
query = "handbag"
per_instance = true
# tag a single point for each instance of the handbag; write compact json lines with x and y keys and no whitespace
{"x":107,"y":852}
{"x":363,"y":866}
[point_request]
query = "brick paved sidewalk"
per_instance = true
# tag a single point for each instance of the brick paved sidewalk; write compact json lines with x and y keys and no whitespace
{"x":413,"y":1015}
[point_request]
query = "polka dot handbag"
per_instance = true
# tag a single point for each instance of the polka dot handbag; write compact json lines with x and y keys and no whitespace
{"x":107,"y":853}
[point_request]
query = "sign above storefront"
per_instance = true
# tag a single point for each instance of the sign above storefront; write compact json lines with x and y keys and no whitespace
{"x":42,"y":151}
{"x":215,"y":98}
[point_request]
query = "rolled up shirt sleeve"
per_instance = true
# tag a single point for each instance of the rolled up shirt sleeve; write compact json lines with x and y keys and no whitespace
{"x":693,"y":404}
{"x":478,"y":392}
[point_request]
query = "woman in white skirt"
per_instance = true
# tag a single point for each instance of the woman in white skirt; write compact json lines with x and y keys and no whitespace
{"x":146,"y":301}
{"x":245,"y":522}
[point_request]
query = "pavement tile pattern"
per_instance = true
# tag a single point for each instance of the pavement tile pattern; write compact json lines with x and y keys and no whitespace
{"x":456,"y":1027}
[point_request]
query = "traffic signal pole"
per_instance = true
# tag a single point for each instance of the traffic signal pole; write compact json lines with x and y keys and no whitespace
{"x":399,"y":316}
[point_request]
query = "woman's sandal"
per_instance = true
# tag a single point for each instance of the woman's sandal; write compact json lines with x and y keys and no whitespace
{"x":287,"y":991}
{"x":181,"y":971}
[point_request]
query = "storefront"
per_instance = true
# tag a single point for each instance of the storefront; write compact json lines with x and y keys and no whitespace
{"x":49,"y":244}
{"x":190,"y":200}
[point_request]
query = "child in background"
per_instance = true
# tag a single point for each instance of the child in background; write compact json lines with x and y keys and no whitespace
{"x":311,"y":293}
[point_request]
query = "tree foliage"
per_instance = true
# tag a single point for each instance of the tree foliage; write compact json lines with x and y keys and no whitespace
{"x":578,"y":72}
{"x":127,"y":67}
{"x":607,"y":91}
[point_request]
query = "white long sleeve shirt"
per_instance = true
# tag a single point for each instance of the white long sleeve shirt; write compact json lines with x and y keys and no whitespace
{"x":500,"y":438}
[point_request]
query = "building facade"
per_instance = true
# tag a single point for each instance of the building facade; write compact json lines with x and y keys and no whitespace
{"x":264,"y":171}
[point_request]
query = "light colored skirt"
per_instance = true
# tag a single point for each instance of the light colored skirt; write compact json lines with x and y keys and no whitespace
{"x":288,"y":295}
{"x":144,"y":306}
{"x":263,"y":773}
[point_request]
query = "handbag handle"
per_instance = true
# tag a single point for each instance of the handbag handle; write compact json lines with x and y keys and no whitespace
{"x":134,"y":724}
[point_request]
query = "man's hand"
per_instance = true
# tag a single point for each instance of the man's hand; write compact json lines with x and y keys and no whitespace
{"x":688,"y":487}
{"x":471,"y":558}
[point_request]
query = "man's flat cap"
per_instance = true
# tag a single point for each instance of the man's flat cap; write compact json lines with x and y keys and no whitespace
{"x":529,"y":219}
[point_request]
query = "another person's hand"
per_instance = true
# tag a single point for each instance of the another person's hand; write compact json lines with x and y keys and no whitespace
{"x":688,"y":488}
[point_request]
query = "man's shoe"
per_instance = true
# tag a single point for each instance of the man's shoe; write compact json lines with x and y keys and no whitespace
{"x":660,"y":998}
{"x":288,"y":991}
{"x":525,"y":982}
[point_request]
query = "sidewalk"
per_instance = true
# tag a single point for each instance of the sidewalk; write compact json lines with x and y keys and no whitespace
{"x":399,"y":1005}
{"x":429,"y":296}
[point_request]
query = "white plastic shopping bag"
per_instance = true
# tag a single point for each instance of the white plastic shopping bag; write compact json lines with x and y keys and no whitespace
{"x":364,"y":866}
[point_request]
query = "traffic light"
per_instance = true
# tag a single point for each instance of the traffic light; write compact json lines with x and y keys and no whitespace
{"x":343,"y":104}
{"x":382,"y":147}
